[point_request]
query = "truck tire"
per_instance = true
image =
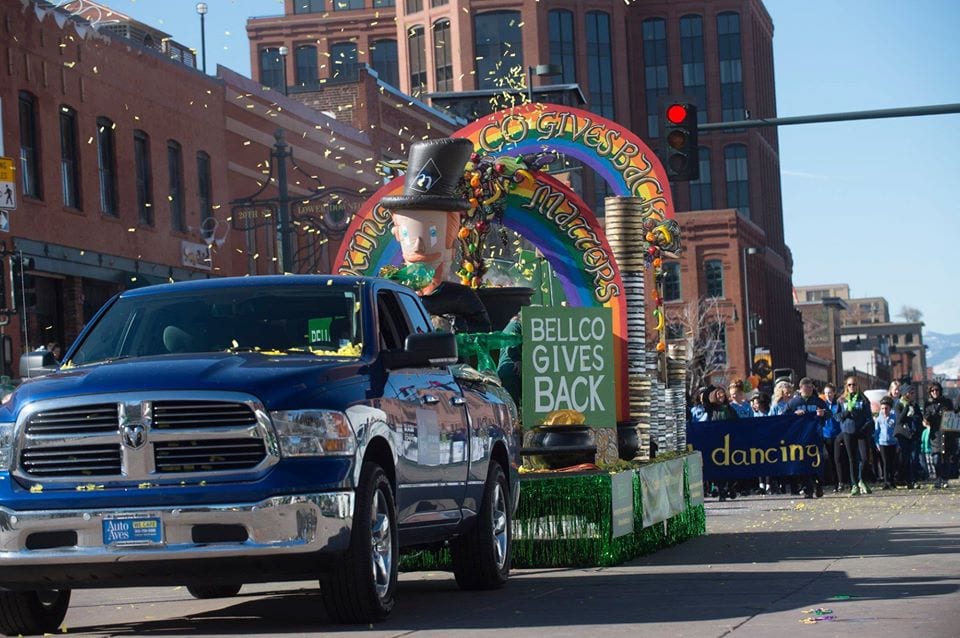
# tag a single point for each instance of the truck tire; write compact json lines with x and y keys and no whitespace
{"x":202,"y":592}
{"x":360,"y":588}
{"x":481,"y":557}
{"x":32,"y":612}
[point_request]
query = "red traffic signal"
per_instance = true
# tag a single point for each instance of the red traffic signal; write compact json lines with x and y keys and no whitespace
{"x":678,"y":139}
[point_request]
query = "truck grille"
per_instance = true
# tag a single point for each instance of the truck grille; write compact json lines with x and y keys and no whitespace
{"x":136,"y":439}
{"x":209,"y":456}
{"x":196,"y":414}
{"x":73,"y":460}
{"x":87,"y":419}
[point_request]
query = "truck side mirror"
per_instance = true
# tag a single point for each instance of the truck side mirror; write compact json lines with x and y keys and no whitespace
{"x":422,"y":350}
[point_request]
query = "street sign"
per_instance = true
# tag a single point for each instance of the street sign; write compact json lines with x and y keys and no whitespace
{"x":7,"y":169}
{"x":4,"y":221}
{"x":8,"y":184}
{"x":253,"y":215}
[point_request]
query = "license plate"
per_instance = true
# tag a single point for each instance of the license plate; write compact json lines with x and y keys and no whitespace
{"x":132,"y":530}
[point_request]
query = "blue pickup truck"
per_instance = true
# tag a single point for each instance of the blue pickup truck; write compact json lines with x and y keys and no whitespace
{"x":229,"y":431}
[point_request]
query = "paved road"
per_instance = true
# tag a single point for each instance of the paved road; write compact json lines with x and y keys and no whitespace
{"x":887,"y":565}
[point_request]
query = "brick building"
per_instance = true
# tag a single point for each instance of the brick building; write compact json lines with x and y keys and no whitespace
{"x":128,"y":159}
{"x":623,"y":57}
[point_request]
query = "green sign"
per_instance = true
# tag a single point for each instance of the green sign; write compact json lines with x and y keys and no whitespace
{"x":568,"y":364}
{"x":319,"y":331}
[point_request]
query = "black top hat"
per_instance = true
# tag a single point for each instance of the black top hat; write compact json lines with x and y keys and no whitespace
{"x":434,"y":170}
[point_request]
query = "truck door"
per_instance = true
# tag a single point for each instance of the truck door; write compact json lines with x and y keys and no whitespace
{"x":429,"y":422}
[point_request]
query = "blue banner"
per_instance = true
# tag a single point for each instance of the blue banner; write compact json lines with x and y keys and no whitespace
{"x":786,"y":445}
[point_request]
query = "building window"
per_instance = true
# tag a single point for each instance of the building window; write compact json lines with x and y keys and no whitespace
{"x":656,"y":82}
{"x":413,"y":6}
{"x":416,"y":48}
{"x":909,"y":338}
{"x":563,"y":50}
{"x":204,"y":189}
{"x":29,"y":146}
{"x":379,"y":4}
{"x":305,"y":73}
{"x":731,"y":74}
{"x":343,"y":61}
{"x":309,"y":6}
{"x":600,"y":64}
{"x":347,"y":5}
{"x":385,"y":62}
{"x":141,"y":165}
{"x":692,"y":59}
{"x":498,"y":47}
{"x":69,"y":158}
{"x":701,"y":189}
{"x":178,"y":219}
{"x":716,"y":342}
{"x":735,"y":165}
{"x":713,"y":269}
{"x":438,"y":3}
{"x":443,"y":64}
{"x":671,"y":281}
{"x":271,"y":68}
{"x":107,"y":165}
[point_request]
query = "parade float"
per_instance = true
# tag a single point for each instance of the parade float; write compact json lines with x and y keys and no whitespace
{"x":596,"y":395}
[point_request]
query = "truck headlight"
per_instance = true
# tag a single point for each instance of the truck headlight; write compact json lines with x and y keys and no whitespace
{"x":314,"y":433}
{"x":6,"y":445}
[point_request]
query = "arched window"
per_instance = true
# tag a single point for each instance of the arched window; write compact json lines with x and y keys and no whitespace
{"x":731,"y":73}
{"x":701,"y":190}
{"x":178,"y":220}
{"x":498,"y":47}
{"x":671,"y":281}
{"x":417,"y":55}
{"x":107,"y":166}
{"x":204,"y":189}
{"x":70,"y":158}
{"x":343,"y":61}
{"x":713,"y":274}
{"x":385,"y":61}
{"x":305,"y":73}
{"x":442,"y":61}
{"x":600,"y":63}
{"x":692,"y":59}
{"x":29,"y":146}
{"x":735,"y":165}
{"x":144,"y":176}
{"x":271,"y":68}
{"x":563,"y":48}
{"x":656,"y":81}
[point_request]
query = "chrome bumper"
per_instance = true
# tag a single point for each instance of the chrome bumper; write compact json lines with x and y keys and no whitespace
{"x":287,"y":525}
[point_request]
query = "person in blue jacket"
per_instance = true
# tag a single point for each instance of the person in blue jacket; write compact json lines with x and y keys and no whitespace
{"x":807,"y":402}
{"x":885,"y":423}
{"x":856,"y":430}
{"x":832,"y":441}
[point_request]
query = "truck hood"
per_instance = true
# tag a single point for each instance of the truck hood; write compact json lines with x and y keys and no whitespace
{"x":280,"y":382}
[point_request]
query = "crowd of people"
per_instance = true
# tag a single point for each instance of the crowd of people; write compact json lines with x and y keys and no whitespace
{"x":899,"y":446}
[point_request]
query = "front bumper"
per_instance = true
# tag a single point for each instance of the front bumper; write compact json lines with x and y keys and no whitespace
{"x":53,"y":546}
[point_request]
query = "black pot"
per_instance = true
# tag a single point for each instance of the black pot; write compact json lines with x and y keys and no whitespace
{"x":628,"y":440}
{"x":563,"y":445}
{"x":503,"y":304}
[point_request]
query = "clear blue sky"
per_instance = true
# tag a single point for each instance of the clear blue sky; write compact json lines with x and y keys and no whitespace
{"x":870,"y":203}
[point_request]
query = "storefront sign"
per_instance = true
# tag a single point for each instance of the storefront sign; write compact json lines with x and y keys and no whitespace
{"x":246,"y":216}
{"x":568,"y":364}
{"x":195,"y":255}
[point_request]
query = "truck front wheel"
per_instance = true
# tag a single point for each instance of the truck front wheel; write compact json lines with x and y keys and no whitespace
{"x":361,"y":586}
{"x":32,"y":612}
{"x":481,"y":557}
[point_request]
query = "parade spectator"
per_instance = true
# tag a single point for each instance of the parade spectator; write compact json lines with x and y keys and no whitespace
{"x":807,"y":402}
{"x":832,"y":441}
{"x":856,"y":429}
{"x":718,"y":406}
{"x":54,"y":348}
{"x":698,"y":410}
{"x":894,"y":391}
{"x":941,"y":441}
{"x":760,"y":404}
{"x":909,"y":421}
{"x":738,"y":400}
{"x":885,"y":423}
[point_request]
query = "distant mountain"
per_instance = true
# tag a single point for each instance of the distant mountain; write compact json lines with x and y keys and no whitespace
{"x":943,"y":353}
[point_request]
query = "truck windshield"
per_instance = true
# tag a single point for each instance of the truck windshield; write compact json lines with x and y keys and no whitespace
{"x":317,"y":320}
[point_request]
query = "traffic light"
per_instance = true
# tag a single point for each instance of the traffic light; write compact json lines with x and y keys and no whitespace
{"x":678,"y":139}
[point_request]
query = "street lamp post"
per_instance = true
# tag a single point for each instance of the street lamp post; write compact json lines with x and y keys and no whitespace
{"x":202,"y":10}
{"x":281,"y":151}
{"x":749,"y":250}
{"x":283,"y":63}
{"x":541,"y":70}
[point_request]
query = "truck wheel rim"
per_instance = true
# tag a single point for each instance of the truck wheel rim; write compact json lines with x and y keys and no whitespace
{"x":500,"y":536}
{"x":381,"y":544}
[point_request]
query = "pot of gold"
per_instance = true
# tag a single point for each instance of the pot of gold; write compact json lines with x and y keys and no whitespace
{"x":562,"y":440}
